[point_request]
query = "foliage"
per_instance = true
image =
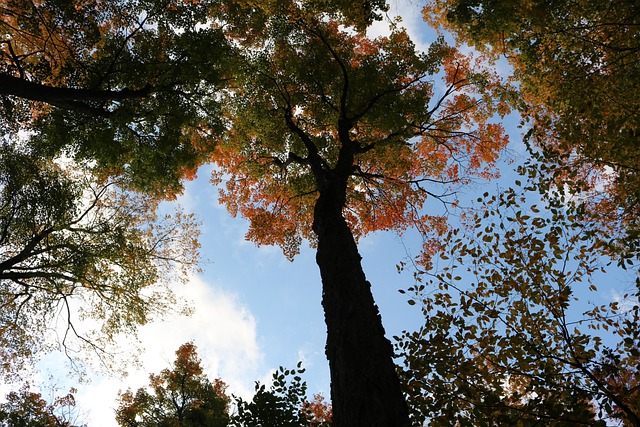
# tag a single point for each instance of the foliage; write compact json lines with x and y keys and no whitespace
{"x":574,"y":65}
{"x":576,"y":69}
{"x":514,"y":333}
{"x":181,"y":396}
{"x":318,"y":412}
{"x":76,"y":252}
{"x":245,"y":18}
{"x":129,"y":85}
{"x":28,"y":409}
{"x":369,"y":108}
{"x":282,"y":405}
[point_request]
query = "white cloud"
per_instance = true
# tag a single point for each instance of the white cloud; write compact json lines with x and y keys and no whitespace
{"x":411,"y":14}
{"x":222,"y":329}
{"x":625,"y":299}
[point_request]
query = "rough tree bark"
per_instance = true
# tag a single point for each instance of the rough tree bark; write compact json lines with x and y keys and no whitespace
{"x":365,"y":390}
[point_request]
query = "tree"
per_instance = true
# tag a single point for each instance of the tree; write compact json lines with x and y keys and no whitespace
{"x":284,"y":404}
{"x":509,"y":338}
{"x":331,"y":136}
{"x":128,"y":85}
{"x":181,"y":396}
{"x":129,"y":90}
{"x":576,"y":67}
{"x":28,"y":409}
{"x":318,"y":411}
{"x":72,"y":249}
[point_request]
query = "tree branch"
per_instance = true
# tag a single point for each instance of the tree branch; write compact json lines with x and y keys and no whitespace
{"x":317,"y":163}
{"x":73,"y":99}
{"x":26,"y":251}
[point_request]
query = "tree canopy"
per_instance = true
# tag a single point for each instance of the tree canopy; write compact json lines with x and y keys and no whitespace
{"x":370,"y":110}
{"x":25,"y":408}
{"x":73,"y":248}
{"x":514,"y":329}
{"x":575,"y":68}
{"x":133,"y":85}
{"x":181,"y":396}
{"x":321,"y":134}
{"x":127,"y":85}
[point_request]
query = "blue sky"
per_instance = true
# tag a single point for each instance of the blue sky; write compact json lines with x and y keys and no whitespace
{"x":254,"y":310}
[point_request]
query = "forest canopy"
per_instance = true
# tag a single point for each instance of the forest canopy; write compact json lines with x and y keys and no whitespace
{"x":320,"y":134}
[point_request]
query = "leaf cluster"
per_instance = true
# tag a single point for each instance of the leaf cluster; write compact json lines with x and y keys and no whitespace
{"x":510,"y":337}
{"x":25,"y":408}
{"x":278,"y":406}
{"x":181,"y":396}
{"x":317,"y":105}
{"x":575,"y":66}
{"x":128,"y":85}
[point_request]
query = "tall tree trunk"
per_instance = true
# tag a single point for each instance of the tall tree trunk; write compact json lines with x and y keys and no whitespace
{"x":365,"y":390}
